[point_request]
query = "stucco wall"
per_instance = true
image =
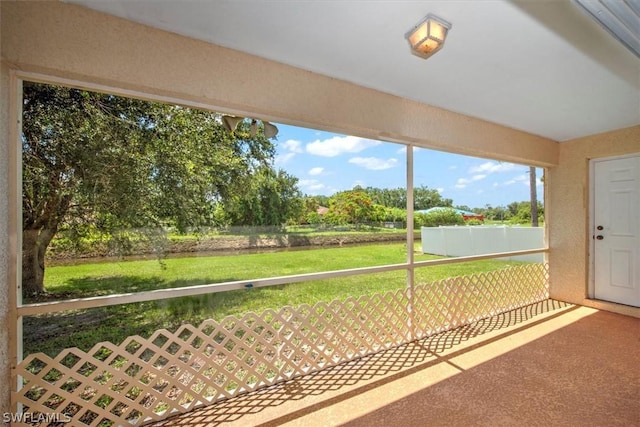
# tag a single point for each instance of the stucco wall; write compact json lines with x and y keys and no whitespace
{"x":4,"y":242}
{"x":567,"y":213}
{"x":5,"y":367}
{"x":4,"y":262}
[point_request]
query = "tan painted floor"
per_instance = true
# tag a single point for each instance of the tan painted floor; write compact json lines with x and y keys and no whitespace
{"x":550,"y":364}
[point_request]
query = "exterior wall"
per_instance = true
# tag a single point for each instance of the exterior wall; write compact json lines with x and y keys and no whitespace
{"x":5,"y":267}
{"x":4,"y":242}
{"x":567,"y":214}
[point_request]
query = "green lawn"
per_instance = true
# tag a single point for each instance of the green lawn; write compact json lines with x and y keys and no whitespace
{"x":84,"y":328}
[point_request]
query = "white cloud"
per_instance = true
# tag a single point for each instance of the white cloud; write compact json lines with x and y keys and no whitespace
{"x":440,"y":190}
{"x":311,"y":185}
{"x":314,"y":187}
{"x":524,"y":178}
{"x":283,"y":158}
{"x":374,"y":163}
{"x":316,"y":171}
{"x":289,"y":149}
{"x":462,"y":183}
{"x":492,"y":167}
{"x":482,"y":171}
{"x":339,"y":145}
{"x":293,"y":145}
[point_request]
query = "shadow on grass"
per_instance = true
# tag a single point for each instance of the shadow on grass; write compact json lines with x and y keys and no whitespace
{"x":85,"y":287}
{"x":51,"y":333}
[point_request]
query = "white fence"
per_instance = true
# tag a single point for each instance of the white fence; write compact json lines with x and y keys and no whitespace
{"x":467,"y":241}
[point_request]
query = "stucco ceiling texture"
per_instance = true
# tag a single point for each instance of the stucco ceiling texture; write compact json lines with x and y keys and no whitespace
{"x":540,"y":67}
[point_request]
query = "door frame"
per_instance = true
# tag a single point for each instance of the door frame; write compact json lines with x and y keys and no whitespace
{"x":591,"y":283}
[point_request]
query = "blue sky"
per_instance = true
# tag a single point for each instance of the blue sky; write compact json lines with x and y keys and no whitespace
{"x":326,"y":163}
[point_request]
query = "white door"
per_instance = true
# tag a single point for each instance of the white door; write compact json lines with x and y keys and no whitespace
{"x":616,"y":230}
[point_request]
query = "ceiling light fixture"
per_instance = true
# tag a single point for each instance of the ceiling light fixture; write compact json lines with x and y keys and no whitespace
{"x":270,"y":131}
{"x":621,"y":18}
{"x":231,"y":123}
{"x":428,"y":36}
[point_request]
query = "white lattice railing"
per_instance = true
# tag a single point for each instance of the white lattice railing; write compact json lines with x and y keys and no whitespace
{"x":149,"y":379}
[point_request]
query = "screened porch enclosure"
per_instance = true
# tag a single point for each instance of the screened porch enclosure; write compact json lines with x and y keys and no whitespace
{"x":189,"y":296}
{"x":168,"y":373}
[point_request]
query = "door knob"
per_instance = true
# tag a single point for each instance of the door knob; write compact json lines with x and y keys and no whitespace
{"x":599,"y":237}
{"x":600,"y":227}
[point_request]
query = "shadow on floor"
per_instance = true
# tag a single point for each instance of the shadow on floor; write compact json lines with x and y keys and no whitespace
{"x":583,"y":373}
{"x":379,"y":369}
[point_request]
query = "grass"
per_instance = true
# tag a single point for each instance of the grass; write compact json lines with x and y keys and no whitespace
{"x":84,"y":328}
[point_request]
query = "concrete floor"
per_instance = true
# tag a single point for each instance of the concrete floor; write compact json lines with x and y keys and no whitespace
{"x":549,"y":364}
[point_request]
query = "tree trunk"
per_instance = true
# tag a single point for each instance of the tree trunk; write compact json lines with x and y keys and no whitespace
{"x":34,"y":247}
{"x":534,"y":196}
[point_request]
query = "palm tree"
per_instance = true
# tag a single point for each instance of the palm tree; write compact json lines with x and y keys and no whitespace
{"x":534,"y":196}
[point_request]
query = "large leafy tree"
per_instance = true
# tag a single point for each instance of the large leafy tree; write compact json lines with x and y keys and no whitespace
{"x":351,"y":207}
{"x":520,"y":212}
{"x":497,"y":213}
{"x":423,"y":197}
{"x":107,"y":163}
{"x":272,"y":198}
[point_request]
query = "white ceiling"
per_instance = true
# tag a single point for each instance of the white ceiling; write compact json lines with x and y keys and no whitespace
{"x":539,"y":66}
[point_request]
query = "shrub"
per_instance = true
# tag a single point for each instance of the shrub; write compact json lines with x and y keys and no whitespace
{"x":438,"y":218}
{"x":314,"y":218}
{"x":474,"y":221}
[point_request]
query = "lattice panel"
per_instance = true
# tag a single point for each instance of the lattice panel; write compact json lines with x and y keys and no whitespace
{"x":457,"y":301}
{"x":149,"y":379}
{"x":331,"y":333}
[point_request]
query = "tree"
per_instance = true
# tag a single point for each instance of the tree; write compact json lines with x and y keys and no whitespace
{"x":101,"y":162}
{"x":272,"y":198}
{"x":523,"y":211}
{"x":423,"y":197}
{"x":513,"y":208}
{"x":497,"y":213}
{"x":427,"y":198}
{"x":310,"y":206}
{"x":351,"y":207}
{"x":437,"y":218}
